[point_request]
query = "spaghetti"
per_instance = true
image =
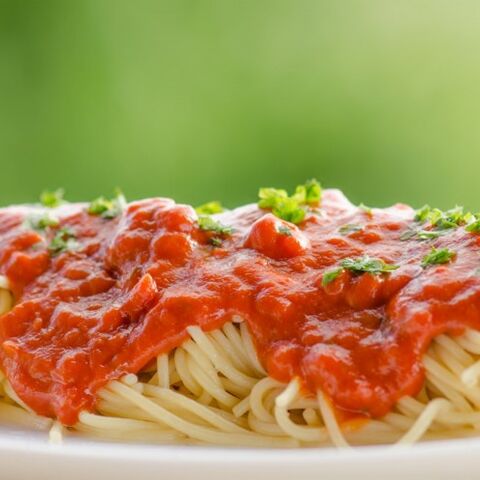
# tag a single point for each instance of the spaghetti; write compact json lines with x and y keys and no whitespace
{"x":184,"y":398}
{"x":158,"y":325}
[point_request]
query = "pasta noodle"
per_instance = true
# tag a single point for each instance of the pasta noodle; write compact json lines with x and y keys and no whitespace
{"x":213,"y":390}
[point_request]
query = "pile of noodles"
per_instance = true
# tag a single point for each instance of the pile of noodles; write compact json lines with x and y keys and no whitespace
{"x":213,"y":390}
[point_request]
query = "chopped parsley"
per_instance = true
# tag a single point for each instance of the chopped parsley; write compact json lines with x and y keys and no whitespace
{"x":421,"y":234}
{"x":421,"y":215}
{"x":208,"y":224}
{"x":105,"y":208}
{"x":428,"y":234}
{"x":443,"y":220}
{"x":331,"y":275}
{"x":438,"y":257}
{"x":291,"y":208}
{"x":310,"y":193}
{"x":210,"y":208}
{"x":367,"y":210}
{"x":283,"y":230}
{"x":216,"y":241}
{"x":408,"y":234}
{"x":473,"y":227}
{"x":449,"y":219}
{"x":282,"y":206}
{"x":363,"y":264}
{"x":350,"y":228}
{"x":39,"y":221}
{"x":63,"y":241}
{"x":367,"y":264}
{"x":52,"y":199}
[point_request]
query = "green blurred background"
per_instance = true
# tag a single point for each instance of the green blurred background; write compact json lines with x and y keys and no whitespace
{"x":204,"y":100}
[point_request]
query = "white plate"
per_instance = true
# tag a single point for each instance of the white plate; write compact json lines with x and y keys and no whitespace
{"x":26,"y":455}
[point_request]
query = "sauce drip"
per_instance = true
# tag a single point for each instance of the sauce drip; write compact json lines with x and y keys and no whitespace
{"x":137,"y":281}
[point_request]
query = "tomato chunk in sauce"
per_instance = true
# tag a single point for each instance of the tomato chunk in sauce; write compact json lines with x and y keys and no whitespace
{"x":134,"y":283}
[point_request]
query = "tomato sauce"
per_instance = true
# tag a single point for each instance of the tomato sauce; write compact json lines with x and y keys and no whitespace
{"x":136,"y":282}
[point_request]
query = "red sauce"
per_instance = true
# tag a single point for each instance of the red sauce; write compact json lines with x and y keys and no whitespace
{"x":128,"y":293}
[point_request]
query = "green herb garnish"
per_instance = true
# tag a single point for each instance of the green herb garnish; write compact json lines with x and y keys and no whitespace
{"x":437,"y":257}
{"x":364,"y":264}
{"x":109,"y":209}
{"x":367,"y":264}
{"x":270,"y":197}
{"x":310,"y":193}
{"x":215,"y":241}
{"x":367,"y":210}
{"x":473,"y":227}
{"x":208,"y":224}
{"x":39,"y":221}
{"x":421,"y":214}
{"x":282,"y":206}
{"x":446,"y":220}
{"x":428,"y":234}
{"x":421,"y":234}
{"x":443,"y":220}
{"x":210,"y":208}
{"x":52,"y":199}
{"x":331,"y":275}
{"x":408,"y":235}
{"x":290,"y":208}
{"x":63,"y":241}
{"x":313,"y":191}
{"x":350,"y":228}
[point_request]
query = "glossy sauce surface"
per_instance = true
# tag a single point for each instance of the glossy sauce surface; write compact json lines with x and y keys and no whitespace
{"x":136,"y":282}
